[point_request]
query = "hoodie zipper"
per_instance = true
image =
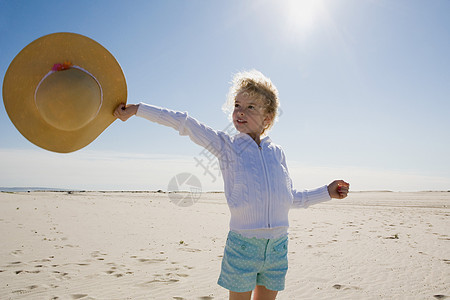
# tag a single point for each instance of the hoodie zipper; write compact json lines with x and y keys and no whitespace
{"x":267,"y":184}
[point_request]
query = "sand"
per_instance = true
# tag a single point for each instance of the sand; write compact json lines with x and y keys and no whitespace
{"x":123,"y":245}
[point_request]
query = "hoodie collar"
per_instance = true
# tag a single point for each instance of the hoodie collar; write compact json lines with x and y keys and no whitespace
{"x":248,"y":138}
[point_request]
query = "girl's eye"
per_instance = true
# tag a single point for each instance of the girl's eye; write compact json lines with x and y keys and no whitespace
{"x":236,"y":105}
{"x":251,"y":107}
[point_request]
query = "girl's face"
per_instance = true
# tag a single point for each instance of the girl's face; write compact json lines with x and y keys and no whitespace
{"x":249,"y":116}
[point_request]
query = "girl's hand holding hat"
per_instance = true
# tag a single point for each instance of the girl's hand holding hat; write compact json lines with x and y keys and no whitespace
{"x":124,"y":112}
{"x":338,"y":189}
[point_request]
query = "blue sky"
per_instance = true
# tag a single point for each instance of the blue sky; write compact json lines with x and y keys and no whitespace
{"x":364,"y":88}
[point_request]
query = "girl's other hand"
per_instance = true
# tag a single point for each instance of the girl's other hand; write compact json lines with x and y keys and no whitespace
{"x":338,"y":189}
{"x":125,"y":112}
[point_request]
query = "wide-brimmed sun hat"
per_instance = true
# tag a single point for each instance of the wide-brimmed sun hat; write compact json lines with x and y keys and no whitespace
{"x":61,"y":90}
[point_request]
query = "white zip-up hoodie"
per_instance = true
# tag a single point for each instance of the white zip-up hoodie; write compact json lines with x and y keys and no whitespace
{"x":257,"y":184}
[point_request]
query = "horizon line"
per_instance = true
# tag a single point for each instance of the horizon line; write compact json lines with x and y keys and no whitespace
{"x":46,"y":189}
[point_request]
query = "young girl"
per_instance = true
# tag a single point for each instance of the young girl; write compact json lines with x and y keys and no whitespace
{"x":257,"y":184}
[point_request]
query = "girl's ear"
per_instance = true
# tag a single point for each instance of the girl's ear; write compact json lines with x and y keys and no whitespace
{"x":268,"y":119}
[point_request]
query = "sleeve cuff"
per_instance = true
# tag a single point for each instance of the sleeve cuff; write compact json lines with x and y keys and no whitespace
{"x":148,"y":112}
{"x":310,"y":197}
{"x":318,"y":195}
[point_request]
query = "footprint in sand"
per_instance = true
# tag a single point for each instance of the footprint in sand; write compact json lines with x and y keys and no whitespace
{"x":98,"y":255}
{"x":157,"y":280}
{"x":83,"y":264}
{"x":191,"y":250}
{"x":61,"y":275}
{"x":30,"y":272}
{"x":78,"y":296}
{"x":343,"y":287}
{"x":27,"y":290}
{"x":151,"y":260}
{"x":16,"y":252}
{"x":176,"y":274}
{"x":43,"y":260}
{"x":115,"y":270}
{"x":440,"y":296}
{"x":163,"y":278}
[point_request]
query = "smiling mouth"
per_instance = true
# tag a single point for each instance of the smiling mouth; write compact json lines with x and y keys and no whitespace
{"x":240,"y":121}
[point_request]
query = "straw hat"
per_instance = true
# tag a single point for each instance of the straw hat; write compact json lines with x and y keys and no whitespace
{"x":61,"y":90}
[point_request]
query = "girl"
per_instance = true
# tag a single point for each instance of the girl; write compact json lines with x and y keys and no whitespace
{"x":257,"y":184}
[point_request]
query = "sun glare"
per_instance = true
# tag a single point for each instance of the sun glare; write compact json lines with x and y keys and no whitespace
{"x":301,"y":16}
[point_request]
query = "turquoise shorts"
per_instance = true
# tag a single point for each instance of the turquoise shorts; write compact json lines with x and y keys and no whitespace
{"x":248,"y":262}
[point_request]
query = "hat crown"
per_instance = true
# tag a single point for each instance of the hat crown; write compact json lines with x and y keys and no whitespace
{"x":69,"y":99}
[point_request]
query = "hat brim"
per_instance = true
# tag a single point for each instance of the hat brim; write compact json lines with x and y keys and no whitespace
{"x":34,"y":62}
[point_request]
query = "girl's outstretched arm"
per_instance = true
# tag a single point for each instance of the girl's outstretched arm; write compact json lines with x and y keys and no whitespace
{"x":337,"y":189}
{"x":212,"y":140}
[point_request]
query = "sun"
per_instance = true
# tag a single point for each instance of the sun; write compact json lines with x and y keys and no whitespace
{"x":301,"y":16}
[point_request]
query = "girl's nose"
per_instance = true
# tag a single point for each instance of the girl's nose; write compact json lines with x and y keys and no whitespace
{"x":239,"y":111}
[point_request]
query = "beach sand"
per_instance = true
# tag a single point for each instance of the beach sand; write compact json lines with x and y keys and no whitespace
{"x":124,"y":245}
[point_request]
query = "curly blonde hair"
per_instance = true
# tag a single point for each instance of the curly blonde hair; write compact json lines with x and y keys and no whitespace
{"x":258,"y":87}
